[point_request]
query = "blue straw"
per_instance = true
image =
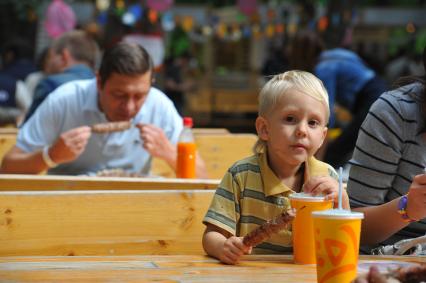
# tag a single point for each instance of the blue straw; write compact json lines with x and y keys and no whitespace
{"x":340,"y":186}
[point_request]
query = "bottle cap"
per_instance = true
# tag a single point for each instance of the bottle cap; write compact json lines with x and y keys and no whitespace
{"x":187,"y":122}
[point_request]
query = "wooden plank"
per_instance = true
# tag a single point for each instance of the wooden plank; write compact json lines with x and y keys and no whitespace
{"x":102,"y":222}
{"x":221,"y":151}
{"x":210,"y":131}
{"x":167,"y":268}
{"x":15,"y":182}
{"x":8,"y":130}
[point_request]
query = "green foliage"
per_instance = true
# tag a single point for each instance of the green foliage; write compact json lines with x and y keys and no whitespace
{"x":22,"y":8}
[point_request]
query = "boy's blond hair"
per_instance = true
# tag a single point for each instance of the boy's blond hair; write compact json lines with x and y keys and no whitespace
{"x":280,"y":84}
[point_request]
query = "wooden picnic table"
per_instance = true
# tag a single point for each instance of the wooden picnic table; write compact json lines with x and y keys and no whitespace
{"x":18,"y":182}
{"x":164,"y":268}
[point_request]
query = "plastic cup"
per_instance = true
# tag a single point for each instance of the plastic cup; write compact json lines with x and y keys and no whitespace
{"x":337,"y":233}
{"x":303,"y":233}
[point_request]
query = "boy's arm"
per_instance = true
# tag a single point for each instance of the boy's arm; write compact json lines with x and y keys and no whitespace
{"x":222,"y":245}
{"x":213,"y":240}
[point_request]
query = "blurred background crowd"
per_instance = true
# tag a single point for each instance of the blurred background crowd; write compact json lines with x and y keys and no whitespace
{"x":212,"y":57}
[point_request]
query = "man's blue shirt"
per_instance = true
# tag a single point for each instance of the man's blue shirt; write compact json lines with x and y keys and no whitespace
{"x":75,"y":104}
{"x":50,"y":83}
{"x":344,"y":74}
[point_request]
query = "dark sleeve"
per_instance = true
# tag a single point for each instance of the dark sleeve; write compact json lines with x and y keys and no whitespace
{"x":377,"y":155}
{"x":44,"y":87}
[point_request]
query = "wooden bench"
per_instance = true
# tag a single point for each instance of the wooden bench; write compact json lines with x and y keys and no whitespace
{"x":8,"y":130}
{"x":12,"y":182}
{"x":102,"y":222}
{"x":210,"y":131}
{"x":219,"y":152}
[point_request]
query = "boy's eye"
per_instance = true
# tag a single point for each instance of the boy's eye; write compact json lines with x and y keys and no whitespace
{"x":289,"y":119}
{"x":314,"y":123}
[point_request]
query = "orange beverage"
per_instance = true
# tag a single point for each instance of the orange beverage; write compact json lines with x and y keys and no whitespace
{"x":337,"y":233}
{"x":303,"y":234}
{"x":186,"y":160}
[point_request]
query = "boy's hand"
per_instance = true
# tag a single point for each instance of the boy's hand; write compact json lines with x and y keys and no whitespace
{"x":232,"y":250}
{"x":328,"y":187}
{"x":416,"y":207}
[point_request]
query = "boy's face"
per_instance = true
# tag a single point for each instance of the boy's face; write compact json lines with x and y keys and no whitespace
{"x":295,"y":128}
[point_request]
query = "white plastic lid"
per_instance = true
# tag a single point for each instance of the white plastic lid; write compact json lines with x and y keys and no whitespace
{"x":338,"y":213}
{"x":306,"y":197}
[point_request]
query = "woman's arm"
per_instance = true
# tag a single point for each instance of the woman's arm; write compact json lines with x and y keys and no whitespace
{"x":382,"y":221}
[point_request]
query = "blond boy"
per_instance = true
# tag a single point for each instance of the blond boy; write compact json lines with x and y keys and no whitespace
{"x":293,"y":114}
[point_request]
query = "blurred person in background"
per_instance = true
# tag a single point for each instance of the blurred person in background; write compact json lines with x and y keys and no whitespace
{"x":276,"y":62}
{"x":72,"y":56}
{"x":17,"y":64}
{"x":176,"y":81}
{"x":59,"y":138}
{"x":407,"y":62}
{"x":350,"y":83}
{"x":43,"y":69}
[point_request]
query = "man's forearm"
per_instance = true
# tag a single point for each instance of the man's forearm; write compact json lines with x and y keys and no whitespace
{"x":19,"y":162}
{"x":380,"y":222}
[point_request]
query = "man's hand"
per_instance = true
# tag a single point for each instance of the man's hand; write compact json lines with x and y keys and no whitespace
{"x":70,"y":145}
{"x":232,"y":250}
{"x":416,"y":207}
{"x":156,"y":142}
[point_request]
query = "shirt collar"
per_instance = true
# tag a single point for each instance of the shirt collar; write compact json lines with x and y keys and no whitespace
{"x":272,"y":185}
{"x":91,"y":102}
{"x":81,"y":69}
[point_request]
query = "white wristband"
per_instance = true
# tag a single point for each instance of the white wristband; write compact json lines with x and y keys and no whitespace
{"x":46,"y":158}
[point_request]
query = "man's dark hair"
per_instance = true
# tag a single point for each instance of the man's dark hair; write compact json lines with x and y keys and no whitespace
{"x":15,"y":49}
{"x":125,"y":59}
{"x":420,"y":79}
{"x":81,"y":46}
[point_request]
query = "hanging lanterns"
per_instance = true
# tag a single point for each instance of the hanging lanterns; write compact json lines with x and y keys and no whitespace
{"x":159,"y":5}
{"x":248,"y":7}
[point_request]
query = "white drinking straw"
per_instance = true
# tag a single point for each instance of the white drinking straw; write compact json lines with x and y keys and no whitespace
{"x":340,"y":186}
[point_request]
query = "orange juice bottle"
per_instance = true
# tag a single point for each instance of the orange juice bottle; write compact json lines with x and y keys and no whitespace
{"x":186,"y":151}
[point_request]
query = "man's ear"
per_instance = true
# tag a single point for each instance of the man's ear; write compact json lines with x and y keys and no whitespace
{"x":98,"y":81}
{"x":67,"y":59}
{"x":262,"y":128}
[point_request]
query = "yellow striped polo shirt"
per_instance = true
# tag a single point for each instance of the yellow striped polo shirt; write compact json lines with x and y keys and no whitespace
{"x":250,"y":193}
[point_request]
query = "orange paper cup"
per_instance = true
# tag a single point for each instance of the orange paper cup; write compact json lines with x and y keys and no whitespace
{"x":303,"y":235}
{"x":337,"y":233}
